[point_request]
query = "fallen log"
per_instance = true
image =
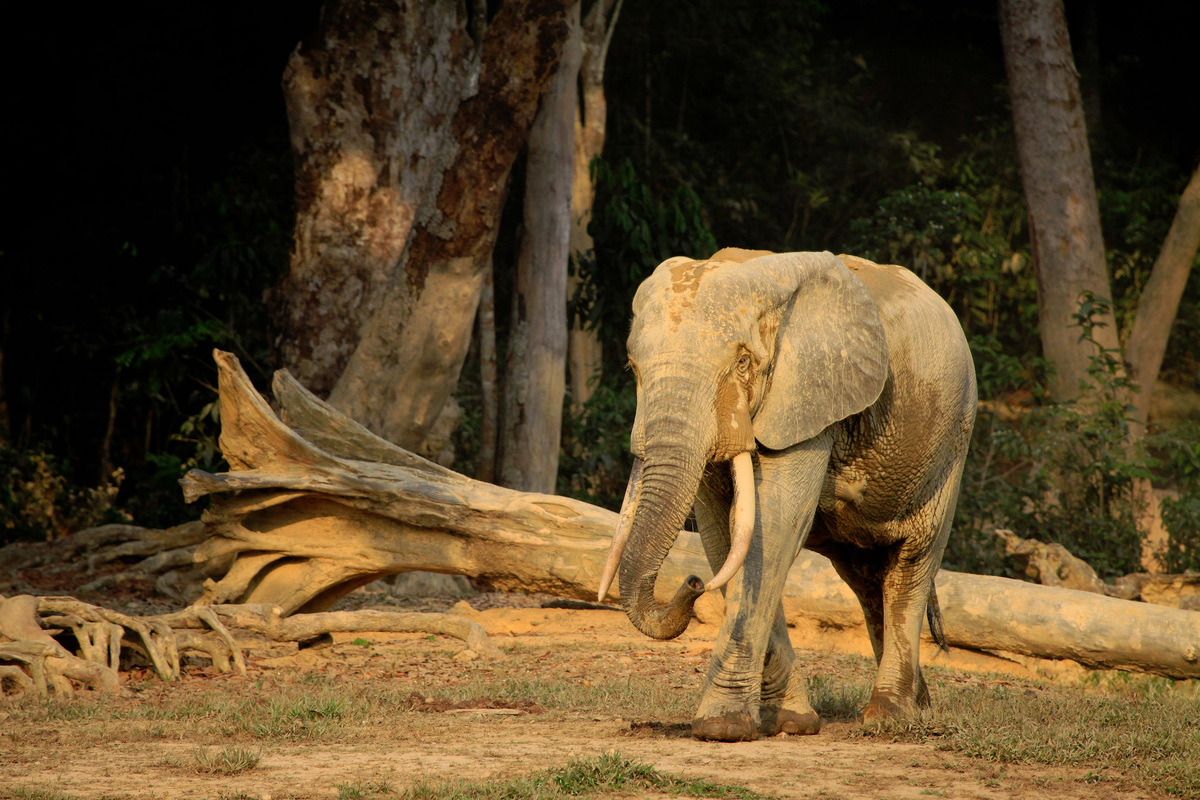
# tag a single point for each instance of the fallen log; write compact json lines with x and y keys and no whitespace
{"x":314,"y":506}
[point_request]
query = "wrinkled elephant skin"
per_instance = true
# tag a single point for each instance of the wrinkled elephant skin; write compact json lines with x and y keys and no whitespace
{"x":842,"y":393}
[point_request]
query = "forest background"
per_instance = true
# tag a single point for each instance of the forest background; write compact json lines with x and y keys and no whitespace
{"x":154,"y":197}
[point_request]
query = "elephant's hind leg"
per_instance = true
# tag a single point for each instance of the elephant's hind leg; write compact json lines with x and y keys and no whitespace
{"x":900,"y":689}
{"x":785,"y":705}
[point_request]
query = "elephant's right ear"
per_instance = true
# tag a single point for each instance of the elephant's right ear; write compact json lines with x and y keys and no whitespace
{"x":831,"y":357}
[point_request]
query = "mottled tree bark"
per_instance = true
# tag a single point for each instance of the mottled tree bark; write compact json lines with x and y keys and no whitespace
{"x":1060,"y":192}
{"x":537,"y":340}
{"x":404,"y":130}
{"x":371,"y":96}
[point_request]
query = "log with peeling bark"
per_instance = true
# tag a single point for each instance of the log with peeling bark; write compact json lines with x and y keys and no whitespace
{"x":314,"y":506}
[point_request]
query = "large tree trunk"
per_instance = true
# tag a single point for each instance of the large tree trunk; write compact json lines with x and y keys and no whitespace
{"x":585,"y":353}
{"x":537,"y":340}
{"x":365,"y":93}
{"x":1060,"y":192}
{"x":404,"y":130}
{"x":316,"y":507}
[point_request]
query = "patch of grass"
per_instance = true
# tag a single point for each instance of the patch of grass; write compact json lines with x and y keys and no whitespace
{"x":37,"y":793}
{"x":299,"y":718}
{"x":838,"y":701}
{"x":1145,"y":733}
{"x":226,"y":761}
{"x":363,"y":790}
{"x":611,"y":773}
{"x":629,"y":697}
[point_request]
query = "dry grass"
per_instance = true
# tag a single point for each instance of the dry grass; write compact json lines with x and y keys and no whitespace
{"x":1134,"y":733}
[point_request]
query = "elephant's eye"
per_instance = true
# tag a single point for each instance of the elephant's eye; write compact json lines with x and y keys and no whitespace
{"x":743,"y":364}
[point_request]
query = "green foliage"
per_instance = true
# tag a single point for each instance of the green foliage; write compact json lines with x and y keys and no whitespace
{"x":1178,"y":454}
{"x":595,"y":459}
{"x":635,"y":228}
{"x":1054,"y":472}
{"x":39,"y":502}
{"x":960,"y":231}
{"x":1137,"y":203}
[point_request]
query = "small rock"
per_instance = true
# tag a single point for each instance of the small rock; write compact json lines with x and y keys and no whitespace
{"x":462,"y":609}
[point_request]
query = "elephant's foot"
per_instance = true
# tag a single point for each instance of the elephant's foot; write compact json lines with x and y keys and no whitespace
{"x":888,"y":706}
{"x":731,"y":726}
{"x":785,"y":706}
{"x":785,"y":720}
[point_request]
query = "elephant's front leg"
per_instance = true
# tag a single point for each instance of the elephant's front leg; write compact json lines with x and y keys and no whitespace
{"x":787,"y":485}
{"x":785,"y":706}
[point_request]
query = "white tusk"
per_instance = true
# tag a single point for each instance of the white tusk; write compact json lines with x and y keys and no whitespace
{"x":741,"y":520}
{"x":624,"y":525}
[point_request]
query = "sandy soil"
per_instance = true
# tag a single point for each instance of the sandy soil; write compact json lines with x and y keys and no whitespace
{"x":434,"y":742}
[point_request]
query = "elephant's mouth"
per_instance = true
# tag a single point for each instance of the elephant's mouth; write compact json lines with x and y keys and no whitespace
{"x":741,"y":530}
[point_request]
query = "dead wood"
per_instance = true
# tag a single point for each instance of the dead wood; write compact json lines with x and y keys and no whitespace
{"x":33,"y":660}
{"x":83,"y":562}
{"x":1053,"y":565}
{"x":315,"y":506}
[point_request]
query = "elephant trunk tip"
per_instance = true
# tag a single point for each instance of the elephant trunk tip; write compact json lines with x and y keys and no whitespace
{"x":670,"y":619}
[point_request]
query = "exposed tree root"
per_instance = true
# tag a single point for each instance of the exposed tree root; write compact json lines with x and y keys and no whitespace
{"x":32,"y":660}
{"x":84,"y":561}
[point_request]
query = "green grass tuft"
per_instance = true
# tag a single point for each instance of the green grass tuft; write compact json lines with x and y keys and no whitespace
{"x":226,"y":761}
{"x":37,"y":793}
{"x":364,"y":790}
{"x":611,"y":773}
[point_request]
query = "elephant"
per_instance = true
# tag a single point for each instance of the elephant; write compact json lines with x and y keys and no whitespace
{"x":842,"y":393}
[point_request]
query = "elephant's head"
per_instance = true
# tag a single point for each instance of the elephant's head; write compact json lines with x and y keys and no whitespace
{"x":745,"y":347}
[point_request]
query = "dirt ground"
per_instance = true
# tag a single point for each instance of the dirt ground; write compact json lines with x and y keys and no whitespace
{"x":70,"y":756}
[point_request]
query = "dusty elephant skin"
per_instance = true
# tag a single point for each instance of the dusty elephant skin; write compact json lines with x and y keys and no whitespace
{"x":843,"y":395}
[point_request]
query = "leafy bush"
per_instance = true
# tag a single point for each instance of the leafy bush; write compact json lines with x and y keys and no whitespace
{"x":1178,"y":455}
{"x":1060,"y":472}
{"x":38,"y":502}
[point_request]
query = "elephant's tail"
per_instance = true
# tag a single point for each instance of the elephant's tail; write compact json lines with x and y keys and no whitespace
{"x":937,"y":627}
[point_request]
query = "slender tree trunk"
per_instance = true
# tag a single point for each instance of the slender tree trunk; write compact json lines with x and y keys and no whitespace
{"x":1147,"y":343}
{"x":591,"y":125}
{"x":537,"y":342}
{"x":488,"y":427}
{"x":1060,"y":191}
{"x":1160,"y":298}
{"x":404,"y":130}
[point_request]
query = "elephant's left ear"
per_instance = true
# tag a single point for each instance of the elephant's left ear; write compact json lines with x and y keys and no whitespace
{"x":831,"y":357}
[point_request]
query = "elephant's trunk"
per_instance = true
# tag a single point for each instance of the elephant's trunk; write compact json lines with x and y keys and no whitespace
{"x":676,"y":450}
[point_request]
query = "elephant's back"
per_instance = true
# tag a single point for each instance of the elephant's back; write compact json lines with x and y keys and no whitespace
{"x":925,"y":337}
